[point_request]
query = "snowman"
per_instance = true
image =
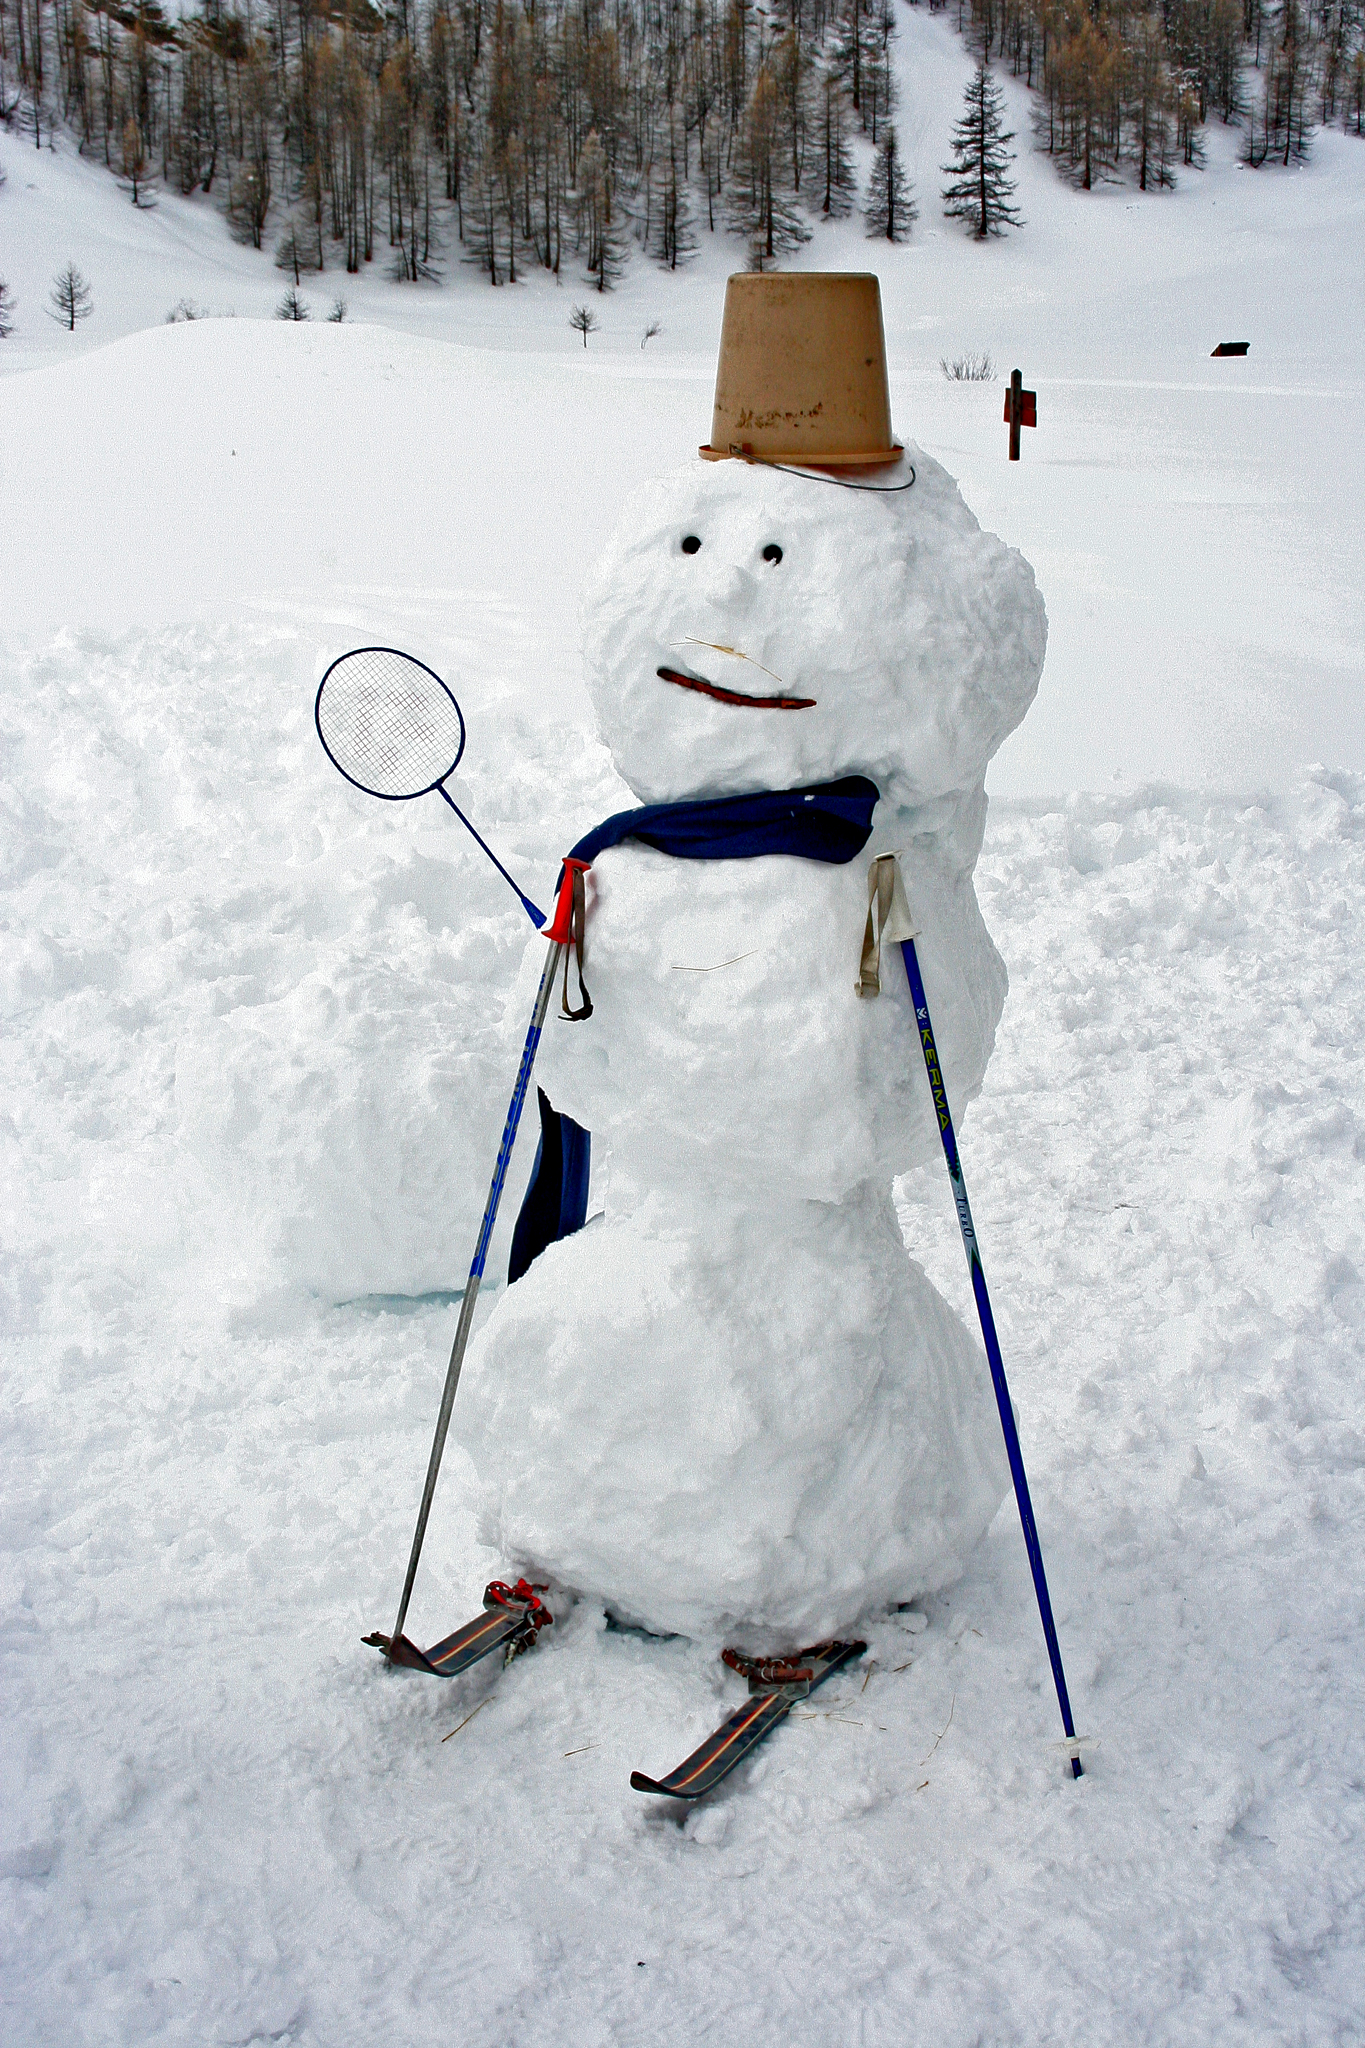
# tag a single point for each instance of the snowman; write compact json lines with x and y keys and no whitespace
{"x":731,"y":1405}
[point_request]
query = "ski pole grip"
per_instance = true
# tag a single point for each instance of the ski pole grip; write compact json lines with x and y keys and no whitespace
{"x":558,"y":931}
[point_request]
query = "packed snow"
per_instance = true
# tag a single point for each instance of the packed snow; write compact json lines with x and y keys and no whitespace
{"x":255,"y":1064}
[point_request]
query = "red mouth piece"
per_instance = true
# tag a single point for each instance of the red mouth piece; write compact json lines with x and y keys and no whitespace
{"x":671,"y":675}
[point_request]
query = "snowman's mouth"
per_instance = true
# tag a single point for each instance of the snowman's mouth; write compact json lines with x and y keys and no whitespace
{"x":673,"y":675}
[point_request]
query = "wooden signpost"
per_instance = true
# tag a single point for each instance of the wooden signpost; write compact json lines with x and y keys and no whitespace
{"x":1021,"y":410}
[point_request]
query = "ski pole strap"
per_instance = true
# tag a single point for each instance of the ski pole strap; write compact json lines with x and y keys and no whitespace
{"x":576,"y":920}
{"x":567,"y":931}
{"x":888,"y":917}
{"x":943,"y":1117}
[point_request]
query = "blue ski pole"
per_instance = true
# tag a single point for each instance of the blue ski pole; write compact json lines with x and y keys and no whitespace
{"x":886,"y":897}
{"x":559,"y":934}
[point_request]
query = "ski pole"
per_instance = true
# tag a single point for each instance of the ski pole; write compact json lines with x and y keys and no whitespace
{"x":983,"y":1308}
{"x":559,"y":934}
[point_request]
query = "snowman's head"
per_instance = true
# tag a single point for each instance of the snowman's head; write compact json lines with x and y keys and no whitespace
{"x":748,"y":629}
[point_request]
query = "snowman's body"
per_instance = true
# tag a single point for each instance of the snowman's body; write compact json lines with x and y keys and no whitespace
{"x":732,"y":1406}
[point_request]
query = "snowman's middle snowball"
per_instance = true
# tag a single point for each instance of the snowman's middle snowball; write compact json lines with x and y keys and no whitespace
{"x":656,"y":1407}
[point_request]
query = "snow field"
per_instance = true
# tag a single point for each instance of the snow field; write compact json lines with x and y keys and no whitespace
{"x":231,"y":1825}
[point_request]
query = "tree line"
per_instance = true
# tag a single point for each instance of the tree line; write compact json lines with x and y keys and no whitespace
{"x":509,"y":132}
{"x":513,"y":133}
{"x":1125,"y":89}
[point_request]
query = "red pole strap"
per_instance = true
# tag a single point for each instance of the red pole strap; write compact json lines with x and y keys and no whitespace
{"x":559,"y":929}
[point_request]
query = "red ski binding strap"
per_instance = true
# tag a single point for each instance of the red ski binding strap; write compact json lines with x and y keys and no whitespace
{"x":497,"y":1593}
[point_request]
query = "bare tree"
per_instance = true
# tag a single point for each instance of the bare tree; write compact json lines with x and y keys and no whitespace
{"x":584,"y":321}
{"x":759,"y":207}
{"x":292,"y":307}
{"x":289,"y":252}
{"x":70,"y":296}
{"x":137,"y":165}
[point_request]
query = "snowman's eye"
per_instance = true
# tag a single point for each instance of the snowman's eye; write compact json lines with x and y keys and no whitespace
{"x":690,"y":544}
{"x":772,"y":553}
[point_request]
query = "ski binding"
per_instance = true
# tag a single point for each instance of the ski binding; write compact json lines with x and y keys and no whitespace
{"x":512,"y":1620}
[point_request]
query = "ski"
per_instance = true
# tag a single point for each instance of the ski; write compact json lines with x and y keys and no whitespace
{"x":512,"y":1620}
{"x":776,"y":1686}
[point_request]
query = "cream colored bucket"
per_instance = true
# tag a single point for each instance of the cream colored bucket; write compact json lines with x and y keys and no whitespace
{"x":802,"y":371}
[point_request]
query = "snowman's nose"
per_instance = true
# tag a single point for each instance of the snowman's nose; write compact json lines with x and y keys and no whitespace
{"x":730,"y":588}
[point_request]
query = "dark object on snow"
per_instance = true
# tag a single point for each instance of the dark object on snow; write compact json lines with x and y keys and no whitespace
{"x":512,"y":1620}
{"x":1231,"y":348}
{"x":772,"y":1700}
{"x":556,"y":1201}
{"x":1021,"y":410}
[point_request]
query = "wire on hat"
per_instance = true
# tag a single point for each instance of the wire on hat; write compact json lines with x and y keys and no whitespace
{"x":746,"y":454}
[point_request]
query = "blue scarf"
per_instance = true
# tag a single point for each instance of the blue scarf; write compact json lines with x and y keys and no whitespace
{"x":827,"y":821}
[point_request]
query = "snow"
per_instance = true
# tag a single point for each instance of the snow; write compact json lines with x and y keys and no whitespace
{"x":254,"y":1071}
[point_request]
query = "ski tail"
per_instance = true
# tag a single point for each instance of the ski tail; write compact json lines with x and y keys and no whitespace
{"x":720,"y":1753}
{"x":742,"y":1731}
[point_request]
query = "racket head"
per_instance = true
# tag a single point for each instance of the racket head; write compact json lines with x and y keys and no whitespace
{"x":388,"y":723}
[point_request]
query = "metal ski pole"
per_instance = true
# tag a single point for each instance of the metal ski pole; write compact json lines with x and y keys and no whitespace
{"x":984,"y":1311}
{"x":559,"y":934}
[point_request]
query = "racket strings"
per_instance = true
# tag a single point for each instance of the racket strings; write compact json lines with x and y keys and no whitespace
{"x":389,"y":724}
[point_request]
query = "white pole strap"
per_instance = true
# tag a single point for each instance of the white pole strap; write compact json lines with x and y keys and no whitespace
{"x":888,"y":917}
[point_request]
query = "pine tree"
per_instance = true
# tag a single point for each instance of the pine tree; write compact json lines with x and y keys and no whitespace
{"x":982,"y":189}
{"x":6,"y":310}
{"x":890,"y":208}
{"x":835,"y":183}
{"x":71,"y":300}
